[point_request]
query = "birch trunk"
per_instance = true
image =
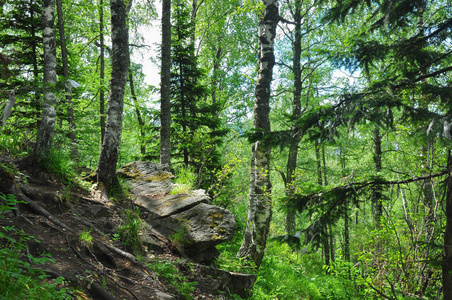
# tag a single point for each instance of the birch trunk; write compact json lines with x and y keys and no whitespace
{"x":106,"y":169}
{"x":47,"y":127}
{"x":260,"y":223}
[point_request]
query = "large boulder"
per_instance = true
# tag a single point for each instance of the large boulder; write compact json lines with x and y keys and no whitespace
{"x":193,"y":225}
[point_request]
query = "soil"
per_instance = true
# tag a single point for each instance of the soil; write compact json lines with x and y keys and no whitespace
{"x":55,"y":216}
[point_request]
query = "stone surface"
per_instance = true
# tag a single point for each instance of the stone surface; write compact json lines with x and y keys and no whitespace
{"x":214,"y":280}
{"x":193,"y":225}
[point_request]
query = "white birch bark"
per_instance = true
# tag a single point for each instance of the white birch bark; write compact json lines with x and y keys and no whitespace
{"x":47,"y":127}
{"x":261,"y":217}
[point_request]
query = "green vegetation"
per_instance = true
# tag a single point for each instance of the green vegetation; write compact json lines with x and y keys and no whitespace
{"x":185,"y":180}
{"x":130,"y":230}
{"x":171,"y":275}
{"x":18,"y":280}
{"x":360,"y":137}
{"x":86,"y":240}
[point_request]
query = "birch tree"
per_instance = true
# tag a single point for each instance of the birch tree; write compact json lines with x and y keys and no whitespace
{"x":47,"y":127}
{"x":106,"y":169}
{"x":260,"y":208}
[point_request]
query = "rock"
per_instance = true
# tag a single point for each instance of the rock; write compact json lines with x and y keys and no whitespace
{"x":147,"y":178}
{"x":193,"y":225}
{"x":214,"y":280}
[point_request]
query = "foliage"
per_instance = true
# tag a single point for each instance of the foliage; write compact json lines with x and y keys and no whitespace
{"x":171,"y":275}
{"x":130,"y":231}
{"x":365,"y":65}
{"x":18,"y":280}
{"x":59,"y":161}
{"x":86,"y":239}
{"x":185,"y":180}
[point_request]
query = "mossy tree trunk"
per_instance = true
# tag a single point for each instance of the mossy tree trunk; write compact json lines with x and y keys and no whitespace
{"x":106,"y":169}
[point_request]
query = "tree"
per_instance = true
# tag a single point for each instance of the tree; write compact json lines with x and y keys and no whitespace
{"x":260,"y":208}
{"x":197,"y":129}
{"x":412,"y":73}
{"x":21,"y":49}
{"x":165,"y":82}
{"x":102,"y":71}
{"x":106,"y":168}
{"x":46,"y":130}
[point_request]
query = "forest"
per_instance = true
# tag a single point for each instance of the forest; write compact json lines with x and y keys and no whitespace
{"x":322,"y":125}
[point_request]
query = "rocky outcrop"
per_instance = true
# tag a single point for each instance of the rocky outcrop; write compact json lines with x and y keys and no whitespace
{"x":193,"y":225}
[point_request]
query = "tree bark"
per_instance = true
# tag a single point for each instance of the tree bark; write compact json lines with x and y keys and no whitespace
{"x":106,"y":169}
{"x":46,"y":130}
{"x":102,"y":71}
{"x":447,"y":248}
{"x":248,"y":247}
{"x":165,"y":82}
{"x":377,"y":205}
{"x":296,"y":114}
{"x":262,"y":185}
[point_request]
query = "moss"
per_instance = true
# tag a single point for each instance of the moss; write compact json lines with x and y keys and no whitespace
{"x":216,"y":216}
{"x":216,"y":237}
{"x":160,"y":177}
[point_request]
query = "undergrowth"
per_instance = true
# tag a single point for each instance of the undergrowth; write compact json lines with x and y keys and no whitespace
{"x":172,"y":276}
{"x":130,"y":230}
{"x":18,"y":279}
{"x":185,"y":180}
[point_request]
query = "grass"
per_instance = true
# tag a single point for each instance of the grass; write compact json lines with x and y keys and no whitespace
{"x":86,"y":239}
{"x":172,"y":276}
{"x":129,"y":232}
{"x":185,"y":180}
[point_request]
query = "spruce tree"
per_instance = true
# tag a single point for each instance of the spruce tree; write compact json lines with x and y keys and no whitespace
{"x":197,"y":129}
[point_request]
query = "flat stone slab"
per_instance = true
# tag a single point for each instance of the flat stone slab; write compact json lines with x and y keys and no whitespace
{"x":170,"y":204}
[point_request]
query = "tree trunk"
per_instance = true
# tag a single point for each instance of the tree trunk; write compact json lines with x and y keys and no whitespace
{"x":447,"y":248}
{"x":262,"y":186}
{"x":296,"y":114}
{"x":377,"y":205}
{"x":248,"y":247}
{"x":37,"y":102}
{"x":346,"y":233}
{"x":102,"y":72}
{"x":68,"y":88}
{"x":106,"y":169}
{"x":325,"y":241}
{"x":46,"y":130}
{"x":137,"y":111}
{"x":165,"y":82}
{"x":216,"y":70}
{"x":319,"y":163}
